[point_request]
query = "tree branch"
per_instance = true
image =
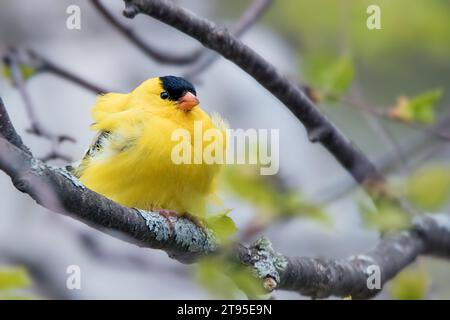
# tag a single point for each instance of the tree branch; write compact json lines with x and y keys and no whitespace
{"x":253,"y":13}
{"x":57,"y":190}
{"x":8,"y":131}
{"x":318,"y":127}
{"x":321,"y":278}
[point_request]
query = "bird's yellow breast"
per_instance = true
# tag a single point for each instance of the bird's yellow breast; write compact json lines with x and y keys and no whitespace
{"x":135,"y":166}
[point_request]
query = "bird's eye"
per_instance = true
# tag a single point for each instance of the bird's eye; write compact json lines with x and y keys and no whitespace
{"x":164,"y":95}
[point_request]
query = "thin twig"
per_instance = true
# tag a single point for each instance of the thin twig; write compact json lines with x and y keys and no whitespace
{"x":379,"y":127}
{"x":386,"y":162}
{"x":42,"y":64}
{"x":383,"y":113}
{"x":154,"y":53}
{"x":37,"y":128}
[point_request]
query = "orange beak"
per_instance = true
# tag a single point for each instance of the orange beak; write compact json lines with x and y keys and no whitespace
{"x":187,"y":101}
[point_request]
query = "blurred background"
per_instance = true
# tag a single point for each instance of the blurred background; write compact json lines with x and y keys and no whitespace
{"x":386,"y":89}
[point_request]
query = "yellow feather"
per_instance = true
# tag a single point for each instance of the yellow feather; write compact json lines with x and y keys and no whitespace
{"x":133,"y":166}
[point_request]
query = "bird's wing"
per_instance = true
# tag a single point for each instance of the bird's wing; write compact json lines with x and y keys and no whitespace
{"x":96,"y":146}
{"x":107,"y":113}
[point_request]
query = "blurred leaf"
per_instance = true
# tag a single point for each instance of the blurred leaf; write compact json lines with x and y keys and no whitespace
{"x":6,"y":72}
{"x":386,"y":216}
{"x":410,"y":284}
{"x":266,"y":194}
{"x":210,"y":275}
{"x":340,"y":75}
{"x":417,"y":109}
{"x":429,"y":187}
{"x":13,"y":278}
{"x":27,"y":72}
{"x":326,"y":24}
{"x":292,"y":204}
{"x":227,"y":280}
{"x":332,"y":77}
{"x":245,"y":182}
{"x":247,"y":282}
{"x":222,"y":225}
{"x":12,"y":296}
{"x":383,"y":58}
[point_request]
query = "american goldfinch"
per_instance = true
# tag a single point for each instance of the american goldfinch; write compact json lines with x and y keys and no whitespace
{"x":130,"y":160}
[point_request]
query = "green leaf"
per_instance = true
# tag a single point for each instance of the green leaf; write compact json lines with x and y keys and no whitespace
{"x":267,"y":195}
{"x":386,"y":216}
{"x":410,"y":284}
{"x":222,"y":225}
{"x":429,"y":187}
{"x":13,"y":278}
{"x":291,"y":204}
{"x":227,"y":280}
{"x":333,"y":77}
{"x":246,"y":183}
{"x":419,"y":109}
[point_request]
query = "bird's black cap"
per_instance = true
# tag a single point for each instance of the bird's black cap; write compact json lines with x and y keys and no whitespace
{"x":176,"y":87}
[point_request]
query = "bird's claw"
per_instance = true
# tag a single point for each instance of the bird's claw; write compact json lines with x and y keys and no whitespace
{"x":166,"y":214}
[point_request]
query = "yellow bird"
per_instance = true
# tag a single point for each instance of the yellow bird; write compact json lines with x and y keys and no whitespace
{"x":130,"y":160}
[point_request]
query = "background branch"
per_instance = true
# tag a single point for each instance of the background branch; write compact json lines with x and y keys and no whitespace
{"x":154,"y":53}
{"x":387,"y":162}
{"x":384,"y":113}
{"x":37,"y":128}
{"x":42,"y":64}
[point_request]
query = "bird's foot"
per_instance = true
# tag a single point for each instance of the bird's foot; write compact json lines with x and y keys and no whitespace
{"x":166,"y":214}
{"x":199,"y":222}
